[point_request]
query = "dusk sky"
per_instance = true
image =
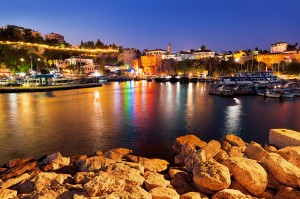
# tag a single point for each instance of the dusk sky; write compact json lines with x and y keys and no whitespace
{"x":150,"y":24}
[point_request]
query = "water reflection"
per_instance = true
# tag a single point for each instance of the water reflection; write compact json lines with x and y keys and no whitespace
{"x":233,"y":117}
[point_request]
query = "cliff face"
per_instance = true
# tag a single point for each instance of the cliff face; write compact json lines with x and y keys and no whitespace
{"x":229,"y":168}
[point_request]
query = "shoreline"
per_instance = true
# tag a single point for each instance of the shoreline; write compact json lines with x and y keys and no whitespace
{"x":228,"y":168}
{"x":47,"y":88}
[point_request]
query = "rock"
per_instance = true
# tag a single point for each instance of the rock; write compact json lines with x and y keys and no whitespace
{"x":225,"y":145}
{"x":117,"y":154}
{"x":221,"y":156}
{"x":235,"y":151}
{"x":181,"y":186}
{"x":287,"y":193}
{"x":211,"y":175}
{"x":282,"y":170}
{"x":95,"y":163}
{"x":70,"y":169}
{"x":248,"y":173}
{"x":164,"y":193}
{"x":76,"y":159}
{"x":18,"y":170}
{"x":255,"y":151}
{"x":284,"y":137}
{"x":8,"y":194}
{"x":291,"y":154}
{"x":83,"y":177}
{"x":137,"y":192}
{"x":236,"y":186}
{"x":129,"y":173}
{"x":190,"y":161}
{"x":193,"y":195}
{"x":211,"y":149}
{"x":154,"y":164}
{"x":272,"y":182}
{"x":178,"y":174}
{"x":230,"y":194}
{"x":47,"y":179}
{"x":55,"y":161}
{"x":155,"y":180}
{"x":97,"y":153}
{"x":122,"y":151}
{"x":270,"y":148}
{"x":18,"y":162}
{"x":13,"y":181}
{"x":194,"y":141}
{"x":235,"y":140}
{"x":104,"y":183}
{"x":268,"y":194}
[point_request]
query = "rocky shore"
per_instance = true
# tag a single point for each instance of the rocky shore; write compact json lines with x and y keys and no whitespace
{"x":228,"y":168}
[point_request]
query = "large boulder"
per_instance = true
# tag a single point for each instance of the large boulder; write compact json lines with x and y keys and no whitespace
{"x":154,"y":164}
{"x":137,"y":192}
{"x":255,"y":151}
{"x":83,"y":177}
{"x":18,"y":170}
{"x":211,"y":175}
{"x":8,"y":194}
{"x":230,"y":194}
{"x":95,"y":163}
{"x":18,"y":162}
{"x":193,"y":195}
{"x":248,"y":173}
{"x":178,"y":174}
{"x":13,"y":181}
{"x":117,"y":154}
{"x":181,"y":186}
{"x":291,"y":154}
{"x":48,"y":179}
{"x":55,"y":161}
{"x":155,"y":180}
{"x":194,"y":141}
{"x":164,"y":193}
{"x":221,"y":156}
{"x":282,"y":170}
{"x":284,"y":137}
{"x":104,"y":184}
{"x":197,"y":157}
{"x":235,"y":140}
{"x":287,"y":193}
{"x":235,"y":151}
{"x":211,"y":149}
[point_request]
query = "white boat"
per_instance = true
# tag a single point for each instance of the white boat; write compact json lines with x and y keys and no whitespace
{"x":287,"y":95}
{"x":261,"y":93}
{"x":270,"y":93}
{"x":249,"y":78}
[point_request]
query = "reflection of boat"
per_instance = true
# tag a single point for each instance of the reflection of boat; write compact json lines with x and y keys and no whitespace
{"x":270,"y":93}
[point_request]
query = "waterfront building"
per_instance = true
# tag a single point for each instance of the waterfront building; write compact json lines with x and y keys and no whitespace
{"x":58,"y":37}
{"x":78,"y":60}
{"x":279,"y":47}
{"x":203,"y":54}
{"x":89,"y":68}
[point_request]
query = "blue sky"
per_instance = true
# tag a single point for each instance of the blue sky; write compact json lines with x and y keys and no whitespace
{"x":186,"y":24}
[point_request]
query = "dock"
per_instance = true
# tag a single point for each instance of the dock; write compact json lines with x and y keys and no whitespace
{"x":21,"y":89}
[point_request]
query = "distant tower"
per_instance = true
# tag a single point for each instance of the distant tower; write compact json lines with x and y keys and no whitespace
{"x":169,"y":48}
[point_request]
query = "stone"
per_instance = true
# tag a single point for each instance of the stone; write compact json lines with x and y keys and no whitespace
{"x":193,"y":195}
{"x":113,"y":155}
{"x":83,"y":177}
{"x":18,"y":170}
{"x":272,"y":182}
{"x":129,"y":173}
{"x":181,"y":186}
{"x":190,"y":161}
{"x":291,"y":154}
{"x":13,"y":181}
{"x":95,"y":163}
{"x":55,"y":161}
{"x":18,"y":162}
{"x":221,"y":156}
{"x":235,"y":151}
{"x":287,"y":193}
{"x":137,"y":192}
{"x":194,"y":141}
{"x":178,"y":174}
{"x":76,"y":159}
{"x":164,"y":193}
{"x":47,"y":179}
{"x":230,"y":194}
{"x":154,"y":164}
{"x":282,"y":170}
{"x":211,"y":175}
{"x":211,"y":149}
{"x":70,"y":169}
{"x":268,"y":194}
{"x":8,"y":194}
{"x":155,"y":180}
{"x":225,"y":145}
{"x":122,"y":151}
{"x":236,"y":186}
{"x":235,"y":140}
{"x":284,"y":137}
{"x":270,"y":148}
{"x":248,"y":173}
{"x":104,"y":183}
{"x":255,"y":151}
{"x":97,"y":153}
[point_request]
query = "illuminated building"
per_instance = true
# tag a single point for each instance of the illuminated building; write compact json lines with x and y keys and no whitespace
{"x":156,"y":52}
{"x":58,"y":37}
{"x":202,"y":54}
{"x":279,"y":47}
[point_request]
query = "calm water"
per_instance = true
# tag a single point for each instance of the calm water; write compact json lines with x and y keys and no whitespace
{"x":145,"y":117}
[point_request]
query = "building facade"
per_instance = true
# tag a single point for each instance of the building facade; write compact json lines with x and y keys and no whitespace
{"x":58,"y":37}
{"x":279,"y":47}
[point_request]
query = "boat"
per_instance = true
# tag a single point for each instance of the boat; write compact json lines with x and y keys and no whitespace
{"x":184,"y":80}
{"x":174,"y":79}
{"x":249,"y":78}
{"x":194,"y":79}
{"x":261,"y":93}
{"x":287,"y":95}
{"x":271,"y":93}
